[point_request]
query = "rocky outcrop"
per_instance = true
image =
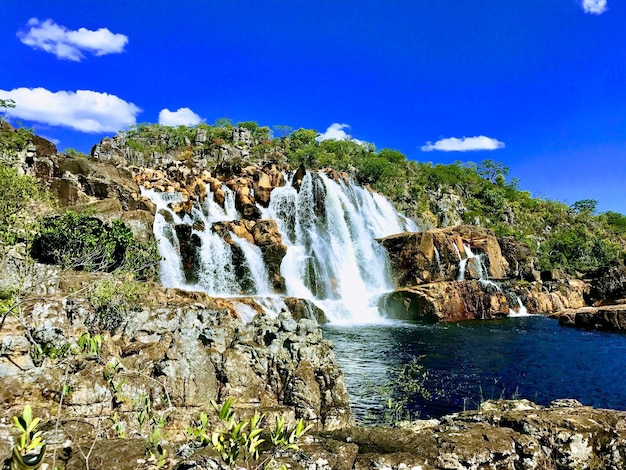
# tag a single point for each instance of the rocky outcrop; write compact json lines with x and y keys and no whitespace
{"x":607,"y":284}
{"x":435,"y":255}
{"x":446,"y":301}
{"x":520,"y":260}
{"x":426,"y":264}
{"x":501,"y":435}
{"x":607,"y":318}
{"x":473,"y":300}
{"x":182,"y":351}
{"x":551,"y":296}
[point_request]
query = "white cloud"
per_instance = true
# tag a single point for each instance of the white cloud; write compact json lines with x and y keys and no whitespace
{"x":596,"y":7}
{"x":465,"y":144}
{"x":82,"y":110}
{"x":68,"y":44}
{"x":336,"y":132}
{"x":180,"y":117}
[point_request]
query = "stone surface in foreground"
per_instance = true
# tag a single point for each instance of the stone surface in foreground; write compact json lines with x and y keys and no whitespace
{"x":503,"y":434}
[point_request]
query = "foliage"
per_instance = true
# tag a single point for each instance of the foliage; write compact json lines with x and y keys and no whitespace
{"x":82,"y":242}
{"x":17,"y":192}
{"x":233,"y":439}
{"x":109,"y":375}
{"x":90,"y":344}
{"x":198,"y":432}
{"x":399,"y":391}
{"x":75,"y":153}
{"x":30,"y":449}
{"x":577,"y":248}
{"x":115,"y":297}
{"x":259,"y":133}
{"x":155,"y":447}
{"x":7,"y":103}
{"x":13,"y":141}
{"x":585,"y":205}
{"x":8,"y":301}
{"x":242,"y":440}
{"x":51,"y":351}
{"x":286,"y":435}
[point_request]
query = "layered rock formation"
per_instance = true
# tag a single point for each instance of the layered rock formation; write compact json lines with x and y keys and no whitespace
{"x":464,"y":273}
{"x":435,"y":255}
{"x":501,"y":435}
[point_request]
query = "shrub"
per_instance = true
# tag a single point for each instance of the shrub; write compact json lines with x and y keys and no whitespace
{"x":13,"y":141}
{"x":86,"y":243}
{"x":115,"y":297}
{"x":16,"y":193}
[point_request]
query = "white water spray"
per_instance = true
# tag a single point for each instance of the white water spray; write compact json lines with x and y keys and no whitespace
{"x":332,"y":258}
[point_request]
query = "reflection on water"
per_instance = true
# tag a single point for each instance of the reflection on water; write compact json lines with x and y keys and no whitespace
{"x":526,"y":357}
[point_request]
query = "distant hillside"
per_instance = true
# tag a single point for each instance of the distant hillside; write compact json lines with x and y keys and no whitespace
{"x":573,"y":238}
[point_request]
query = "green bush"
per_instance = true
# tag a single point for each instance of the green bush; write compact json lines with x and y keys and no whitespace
{"x":86,"y":243}
{"x":115,"y":297}
{"x":13,"y":141}
{"x":17,"y":192}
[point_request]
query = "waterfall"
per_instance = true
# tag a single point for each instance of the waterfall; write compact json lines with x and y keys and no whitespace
{"x":437,"y":259}
{"x":171,"y":268}
{"x":332,"y":258}
{"x":521,"y":309}
{"x":256,"y":266}
{"x":328,"y":227}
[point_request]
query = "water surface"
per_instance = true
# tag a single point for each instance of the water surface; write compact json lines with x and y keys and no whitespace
{"x":526,"y":357}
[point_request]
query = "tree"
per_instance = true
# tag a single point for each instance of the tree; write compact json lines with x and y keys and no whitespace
{"x":16,"y":193}
{"x":585,"y":205}
{"x":493,"y":171}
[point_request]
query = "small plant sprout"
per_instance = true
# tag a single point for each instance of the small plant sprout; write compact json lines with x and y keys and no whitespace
{"x":90,"y":344}
{"x":29,"y":452}
{"x":286,"y":435}
{"x":233,"y":439}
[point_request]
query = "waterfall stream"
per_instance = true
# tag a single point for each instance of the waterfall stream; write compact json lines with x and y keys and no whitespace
{"x":328,"y":227}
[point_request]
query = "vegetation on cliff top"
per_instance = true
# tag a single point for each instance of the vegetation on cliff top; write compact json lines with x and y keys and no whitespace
{"x":573,"y":238}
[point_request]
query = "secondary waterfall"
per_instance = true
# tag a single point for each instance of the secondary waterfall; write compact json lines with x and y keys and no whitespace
{"x":328,"y":227}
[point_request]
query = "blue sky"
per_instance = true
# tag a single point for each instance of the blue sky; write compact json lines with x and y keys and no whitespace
{"x":537,"y":84}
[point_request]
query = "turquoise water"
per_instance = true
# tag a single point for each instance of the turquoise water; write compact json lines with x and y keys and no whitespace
{"x":526,"y":357}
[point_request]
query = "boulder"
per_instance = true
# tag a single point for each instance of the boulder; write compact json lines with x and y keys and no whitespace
{"x":262,"y":188}
{"x":607,"y":318}
{"x":607,"y":284}
{"x":446,"y":301}
{"x":550,"y":296}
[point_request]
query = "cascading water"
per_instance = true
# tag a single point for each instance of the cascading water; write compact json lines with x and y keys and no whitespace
{"x":332,"y":258}
{"x":518,"y":311}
